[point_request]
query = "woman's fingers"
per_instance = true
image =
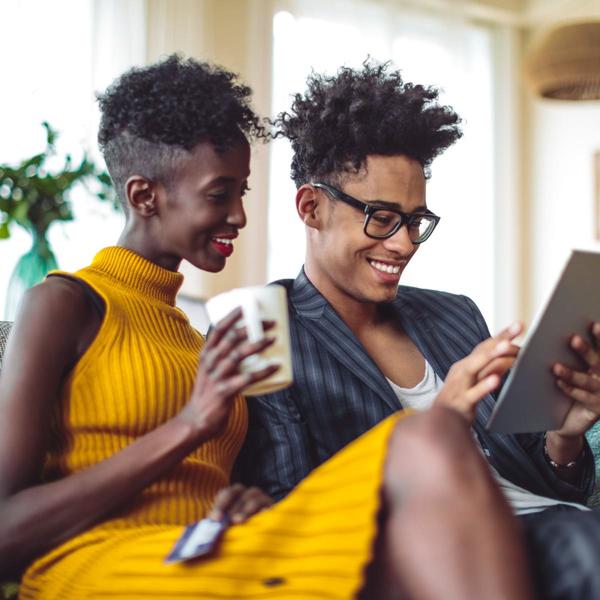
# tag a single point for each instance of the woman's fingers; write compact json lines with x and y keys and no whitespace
{"x":224,"y":500}
{"x":238,"y":503}
{"x":228,"y":341}
{"x":252,"y":501}
{"x":234,"y":385}
{"x":222,"y":327}
{"x":230,"y":362}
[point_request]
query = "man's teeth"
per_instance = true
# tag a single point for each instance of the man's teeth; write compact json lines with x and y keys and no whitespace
{"x":223,"y":241}
{"x":385,"y":268}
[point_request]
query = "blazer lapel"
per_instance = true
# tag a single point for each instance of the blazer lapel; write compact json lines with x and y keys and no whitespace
{"x":319,"y":317}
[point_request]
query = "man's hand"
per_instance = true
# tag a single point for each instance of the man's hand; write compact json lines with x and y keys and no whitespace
{"x":475,"y":376}
{"x":565,"y":444}
{"x":238,"y":503}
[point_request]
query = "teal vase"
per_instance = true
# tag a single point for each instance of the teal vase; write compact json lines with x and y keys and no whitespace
{"x":31,"y":269}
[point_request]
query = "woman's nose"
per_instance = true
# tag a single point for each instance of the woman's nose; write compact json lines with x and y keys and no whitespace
{"x":237,"y":215}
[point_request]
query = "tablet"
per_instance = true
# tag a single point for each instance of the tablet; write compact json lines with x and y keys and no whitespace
{"x":530,"y":400}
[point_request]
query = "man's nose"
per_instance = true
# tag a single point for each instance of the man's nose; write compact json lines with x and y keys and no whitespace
{"x":400,"y":242}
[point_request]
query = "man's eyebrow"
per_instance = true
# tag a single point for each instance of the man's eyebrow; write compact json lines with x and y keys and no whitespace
{"x":395,"y":206}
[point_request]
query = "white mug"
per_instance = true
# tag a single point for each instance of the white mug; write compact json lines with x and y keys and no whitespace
{"x":258,"y":304}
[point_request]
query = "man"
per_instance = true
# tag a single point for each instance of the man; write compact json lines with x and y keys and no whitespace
{"x":363,"y":348}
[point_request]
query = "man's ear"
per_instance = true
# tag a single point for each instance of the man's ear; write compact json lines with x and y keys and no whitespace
{"x":141,"y":195}
{"x":309,"y":206}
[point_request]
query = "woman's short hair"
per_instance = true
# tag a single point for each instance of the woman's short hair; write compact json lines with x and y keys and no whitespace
{"x":152,"y":116}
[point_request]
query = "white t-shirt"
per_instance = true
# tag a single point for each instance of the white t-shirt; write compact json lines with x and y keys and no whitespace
{"x":422,"y":396}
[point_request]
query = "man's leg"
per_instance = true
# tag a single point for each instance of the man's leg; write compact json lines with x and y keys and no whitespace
{"x":446,"y":531}
{"x":564,"y":550}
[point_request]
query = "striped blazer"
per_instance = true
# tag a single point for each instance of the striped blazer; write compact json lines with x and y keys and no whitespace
{"x":339,"y":393}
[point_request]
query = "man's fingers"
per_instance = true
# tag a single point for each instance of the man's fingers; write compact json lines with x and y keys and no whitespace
{"x":482,"y":388}
{"x":586,"y":352}
{"x":588,"y":399}
{"x":490,"y":349}
{"x":499,"y":366}
{"x":586,"y":381}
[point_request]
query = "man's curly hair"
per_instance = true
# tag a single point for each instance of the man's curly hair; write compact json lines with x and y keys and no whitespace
{"x":152,"y":116}
{"x":342,"y":119}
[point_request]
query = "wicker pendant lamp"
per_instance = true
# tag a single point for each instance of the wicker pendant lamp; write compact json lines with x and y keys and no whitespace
{"x":565,"y":63}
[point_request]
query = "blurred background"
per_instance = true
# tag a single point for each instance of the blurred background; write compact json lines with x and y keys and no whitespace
{"x":516,"y":193}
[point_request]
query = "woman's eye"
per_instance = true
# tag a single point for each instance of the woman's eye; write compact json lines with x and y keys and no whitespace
{"x":245,"y":189}
{"x":219,"y":198}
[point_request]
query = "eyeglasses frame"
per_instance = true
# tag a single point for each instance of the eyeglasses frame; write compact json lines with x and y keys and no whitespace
{"x":405,"y":218}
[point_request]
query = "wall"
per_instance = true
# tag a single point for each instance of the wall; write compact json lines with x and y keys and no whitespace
{"x":561,"y":139}
{"x":238,"y":35}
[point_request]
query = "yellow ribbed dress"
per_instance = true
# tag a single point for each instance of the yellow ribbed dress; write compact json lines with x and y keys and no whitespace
{"x":138,"y":373}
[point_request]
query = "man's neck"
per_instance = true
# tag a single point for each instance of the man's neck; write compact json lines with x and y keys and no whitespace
{"x":358,"y":315}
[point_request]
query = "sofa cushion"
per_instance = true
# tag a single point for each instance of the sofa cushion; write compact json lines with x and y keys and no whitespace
{"x":4,"y":329}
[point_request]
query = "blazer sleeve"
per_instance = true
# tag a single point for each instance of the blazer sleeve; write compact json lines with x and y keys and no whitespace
{"x":533,"y":446}
{"x":276,"y":453}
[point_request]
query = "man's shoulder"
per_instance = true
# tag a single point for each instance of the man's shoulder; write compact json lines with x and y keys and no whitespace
{"x":286,"y":283}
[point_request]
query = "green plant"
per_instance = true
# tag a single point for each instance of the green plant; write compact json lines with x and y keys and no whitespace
{"x":34,"y":198}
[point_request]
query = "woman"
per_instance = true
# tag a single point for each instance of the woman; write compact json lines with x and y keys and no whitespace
{"x":112,"y":437}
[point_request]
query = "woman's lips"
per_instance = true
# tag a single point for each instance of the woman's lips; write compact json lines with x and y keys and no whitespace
{"x":223,"y":246}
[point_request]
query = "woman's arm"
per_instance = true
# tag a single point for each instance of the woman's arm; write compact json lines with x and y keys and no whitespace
{"x":45,"y":342}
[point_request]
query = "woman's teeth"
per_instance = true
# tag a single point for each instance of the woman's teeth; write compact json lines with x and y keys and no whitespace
{"x":223,"y":241}
{"x":385,"y":268}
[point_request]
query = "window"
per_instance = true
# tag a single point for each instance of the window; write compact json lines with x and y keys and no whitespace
{"x":52,"y":76}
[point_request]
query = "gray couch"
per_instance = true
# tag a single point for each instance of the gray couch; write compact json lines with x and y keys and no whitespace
{"x":8,"y":590}
{"x":4,"y":329}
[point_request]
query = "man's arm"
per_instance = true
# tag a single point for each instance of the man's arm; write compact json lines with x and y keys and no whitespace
{"x":558,"y":484}
{"x":275,"y":455}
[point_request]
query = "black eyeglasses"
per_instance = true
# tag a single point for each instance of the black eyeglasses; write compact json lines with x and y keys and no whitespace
{"x":382,"y":223}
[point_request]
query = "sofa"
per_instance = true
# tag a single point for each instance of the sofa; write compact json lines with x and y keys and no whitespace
{"x":9,"y":590}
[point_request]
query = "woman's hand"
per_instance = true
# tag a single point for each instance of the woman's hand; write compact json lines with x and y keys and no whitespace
{"x":238,"y":503}
{"x":219,"y":379}
{"x":583,"y":386}
{"x":480,"y":373}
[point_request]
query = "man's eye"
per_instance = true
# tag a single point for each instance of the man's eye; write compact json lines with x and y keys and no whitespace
{"x":382,"y":218}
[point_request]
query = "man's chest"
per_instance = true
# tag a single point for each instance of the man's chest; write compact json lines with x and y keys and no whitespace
{"x":396,"y":355}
